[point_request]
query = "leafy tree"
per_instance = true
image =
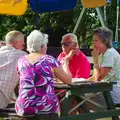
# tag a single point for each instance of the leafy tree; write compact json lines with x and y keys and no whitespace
{"x":56,"y":24}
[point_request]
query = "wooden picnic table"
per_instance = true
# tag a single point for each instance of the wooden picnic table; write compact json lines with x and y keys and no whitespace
{"x":78,"y":89}
{"x":81,"y":88}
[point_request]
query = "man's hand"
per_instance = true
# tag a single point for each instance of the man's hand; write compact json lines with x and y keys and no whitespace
{"x":71,"y":54}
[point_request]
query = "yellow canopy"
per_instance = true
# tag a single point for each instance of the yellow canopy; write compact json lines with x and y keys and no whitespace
{"x":13,"y":7}
{"x":93,"y":3}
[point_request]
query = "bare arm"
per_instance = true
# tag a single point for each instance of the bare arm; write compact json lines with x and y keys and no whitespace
{"x":65,"y":65}
{"x":62,"y":75}
{"x":99,"y":72}
{"x":102,"y":73}
{"x":92,"y":78}
{"x":95,"y":56}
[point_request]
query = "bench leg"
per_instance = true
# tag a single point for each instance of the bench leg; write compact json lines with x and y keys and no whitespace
{"x":109,"y":103}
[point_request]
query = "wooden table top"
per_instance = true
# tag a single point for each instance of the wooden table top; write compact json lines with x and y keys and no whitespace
{"x":82,"y":84}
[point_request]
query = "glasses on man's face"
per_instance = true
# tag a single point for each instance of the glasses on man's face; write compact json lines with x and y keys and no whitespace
{"x":67,"y":44}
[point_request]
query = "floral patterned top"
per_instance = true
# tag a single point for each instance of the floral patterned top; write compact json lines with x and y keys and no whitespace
{"x":36,"y":93}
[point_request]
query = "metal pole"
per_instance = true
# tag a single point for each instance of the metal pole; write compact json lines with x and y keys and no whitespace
{"x":79,"y":20}
{"x":100,"y":17}
{"x":116,"y":32}
{"x":105,"y":16}
{"x":36,"y":16}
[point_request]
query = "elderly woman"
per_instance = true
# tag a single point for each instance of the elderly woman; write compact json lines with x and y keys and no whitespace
{"x":107,"y":68}
{"x":36,"y":70}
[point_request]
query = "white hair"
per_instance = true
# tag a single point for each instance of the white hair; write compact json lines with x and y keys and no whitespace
{"x":36,"y":40}
{"x":72,"y":36}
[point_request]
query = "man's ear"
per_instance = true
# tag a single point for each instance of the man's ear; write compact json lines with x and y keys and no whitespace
{"x":74,"y":45}
{"x":14,"y":42}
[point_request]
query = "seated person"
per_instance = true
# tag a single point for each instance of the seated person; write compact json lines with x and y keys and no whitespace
{"x":108,"y":67}
{"x":36,"y":71}
{"x":73,"y":60}
{"x":9,"y":55}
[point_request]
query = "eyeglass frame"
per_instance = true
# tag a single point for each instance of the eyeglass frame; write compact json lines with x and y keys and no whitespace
{"x":67,"y":44}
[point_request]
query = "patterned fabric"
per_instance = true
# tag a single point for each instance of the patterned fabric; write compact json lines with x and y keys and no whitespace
{"x":8,"y":75}
{"x":79,"y":65}
{"x":36,"y":93}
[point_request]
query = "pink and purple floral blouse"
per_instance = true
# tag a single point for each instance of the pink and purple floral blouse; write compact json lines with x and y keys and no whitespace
{"x":36,"y":93}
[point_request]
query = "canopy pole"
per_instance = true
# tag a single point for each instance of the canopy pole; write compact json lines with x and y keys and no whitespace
{"x":36,"y":16}
{"x":105,"y":16}
{"x":100,"y":16}
{"x":81,"y":15}
{"x":79,"y":20}
{"x":116,"y":32}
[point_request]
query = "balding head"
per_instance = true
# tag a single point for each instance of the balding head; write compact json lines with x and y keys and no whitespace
{"x":15,"y":38}
{"x":12,"y":36}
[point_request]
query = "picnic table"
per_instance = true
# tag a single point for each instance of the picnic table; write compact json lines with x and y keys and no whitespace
{"x":80,"y":89}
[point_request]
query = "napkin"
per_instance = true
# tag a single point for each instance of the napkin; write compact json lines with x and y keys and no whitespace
{"x":79,"y":80}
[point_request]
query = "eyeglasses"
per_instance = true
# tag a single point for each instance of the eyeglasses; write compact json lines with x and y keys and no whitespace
{"x":67,"y":44}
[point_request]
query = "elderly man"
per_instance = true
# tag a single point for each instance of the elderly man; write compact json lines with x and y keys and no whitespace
{"x":9,"y":56}
{"x":72,"y":58}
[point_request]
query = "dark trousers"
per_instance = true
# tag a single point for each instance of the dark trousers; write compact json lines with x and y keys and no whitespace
{"x":52,"y":116}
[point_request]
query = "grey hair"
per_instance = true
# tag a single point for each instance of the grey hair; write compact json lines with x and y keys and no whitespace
{"x":36,"y":40}
{"x":106,"y":35}
{"x":12,"y":36}
{"x":72,"y":36}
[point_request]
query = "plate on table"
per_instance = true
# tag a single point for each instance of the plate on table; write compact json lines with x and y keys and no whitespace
{"x":79,"y":80}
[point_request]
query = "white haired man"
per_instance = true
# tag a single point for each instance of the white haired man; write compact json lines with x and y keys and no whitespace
{"x":9,"y":55}
{"x":73,"y":60}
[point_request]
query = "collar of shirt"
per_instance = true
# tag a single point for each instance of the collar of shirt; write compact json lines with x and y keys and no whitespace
{"x":7,"y":48}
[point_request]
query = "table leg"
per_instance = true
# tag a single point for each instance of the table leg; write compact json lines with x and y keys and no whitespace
{"x":109,"y":103}
{"x":66,"y":105}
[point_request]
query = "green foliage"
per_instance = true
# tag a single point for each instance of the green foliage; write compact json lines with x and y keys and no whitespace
{"x":56,"y":24}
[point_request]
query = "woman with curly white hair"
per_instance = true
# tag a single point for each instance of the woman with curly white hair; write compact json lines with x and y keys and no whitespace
{"x":36,"y":71}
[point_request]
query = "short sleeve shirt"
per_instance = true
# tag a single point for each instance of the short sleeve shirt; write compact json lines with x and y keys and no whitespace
{"x":79,"y":65}
{"x":111,"y":58}
{"x":36,"y":94}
